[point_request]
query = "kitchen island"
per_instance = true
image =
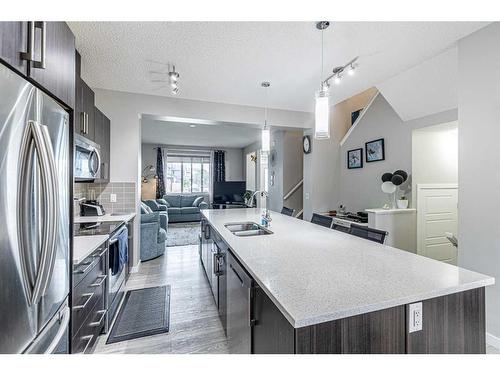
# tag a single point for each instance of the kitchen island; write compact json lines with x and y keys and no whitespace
{"x":316,"y":290}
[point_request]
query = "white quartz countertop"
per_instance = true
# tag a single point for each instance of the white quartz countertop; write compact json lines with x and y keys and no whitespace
{"x":83,"y":246}
{"x":315,"y":274}
{"x":107,"y":217}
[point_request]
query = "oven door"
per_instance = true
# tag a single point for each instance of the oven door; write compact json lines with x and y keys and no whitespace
{"x":116,"y":277}
{"x":87,"y":159}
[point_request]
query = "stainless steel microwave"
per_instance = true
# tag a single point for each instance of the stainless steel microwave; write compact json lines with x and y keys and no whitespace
{"x":87,"y":159}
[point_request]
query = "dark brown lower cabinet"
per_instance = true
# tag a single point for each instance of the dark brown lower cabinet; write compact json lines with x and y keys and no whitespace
{"x":451,"y":324}
{"x":271,"y":332}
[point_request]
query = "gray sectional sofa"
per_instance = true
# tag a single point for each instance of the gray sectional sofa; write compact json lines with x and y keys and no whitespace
{"x":184,"y":207}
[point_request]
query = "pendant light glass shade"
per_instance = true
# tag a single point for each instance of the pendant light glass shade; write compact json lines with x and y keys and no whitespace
{"x":322,"y":116}
{"x":266,"y":139}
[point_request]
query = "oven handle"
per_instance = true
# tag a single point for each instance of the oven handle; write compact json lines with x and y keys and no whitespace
{"x":114,"y":239}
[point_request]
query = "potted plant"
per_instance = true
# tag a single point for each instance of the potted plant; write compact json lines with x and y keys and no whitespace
{"x":402,"y":202}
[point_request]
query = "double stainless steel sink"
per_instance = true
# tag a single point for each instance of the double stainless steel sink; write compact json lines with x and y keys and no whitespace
{"x":247,"y":229}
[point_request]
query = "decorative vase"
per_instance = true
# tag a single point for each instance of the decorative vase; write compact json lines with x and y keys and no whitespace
{"x":402,"y":203}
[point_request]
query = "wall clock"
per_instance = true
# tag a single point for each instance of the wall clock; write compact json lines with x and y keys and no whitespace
{"x":306,"y":144}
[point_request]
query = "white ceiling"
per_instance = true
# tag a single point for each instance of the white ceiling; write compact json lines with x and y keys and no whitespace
{"x":224,"y":135}
{"x":427,"y":88}
{"x":226,"y":61}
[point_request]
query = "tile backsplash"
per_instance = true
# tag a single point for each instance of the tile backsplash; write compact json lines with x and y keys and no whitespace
{"x":125,"y":196}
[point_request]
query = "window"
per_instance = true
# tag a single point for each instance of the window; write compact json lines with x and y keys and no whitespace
{"x":187,"y":174}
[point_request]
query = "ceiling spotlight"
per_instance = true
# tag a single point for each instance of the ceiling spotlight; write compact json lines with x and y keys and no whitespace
{"x":174,"y":76}
{"x":192,"y":125}
{"x":337,"y":79}
{"x":350,"y":71}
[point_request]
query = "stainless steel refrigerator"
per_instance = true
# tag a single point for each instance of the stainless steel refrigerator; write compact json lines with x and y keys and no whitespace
{"x":34,"y":219}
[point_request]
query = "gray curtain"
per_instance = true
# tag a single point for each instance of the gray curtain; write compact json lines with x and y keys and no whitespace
{"x":160,"y":181}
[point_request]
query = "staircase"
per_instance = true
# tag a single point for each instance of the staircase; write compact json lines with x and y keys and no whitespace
{"x":293,"y":199}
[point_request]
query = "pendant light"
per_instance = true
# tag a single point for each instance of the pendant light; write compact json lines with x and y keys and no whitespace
{"x":322,"y":110}
{"x":266,"y":132}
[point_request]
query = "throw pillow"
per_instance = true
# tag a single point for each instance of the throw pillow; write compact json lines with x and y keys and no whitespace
{"x":197,"y":201}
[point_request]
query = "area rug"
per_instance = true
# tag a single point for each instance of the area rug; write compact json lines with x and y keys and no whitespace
{"x":180,"y":234}
{"x":144,"y":312}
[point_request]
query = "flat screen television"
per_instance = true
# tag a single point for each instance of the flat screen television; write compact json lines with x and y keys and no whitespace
{"x":229,"y":192}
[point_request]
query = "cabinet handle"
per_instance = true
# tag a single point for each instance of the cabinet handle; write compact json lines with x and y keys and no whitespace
{"x":89,"y":340}
{"x":29,"y":55}
{"x":99,"y":283}
{"x":89,"y":297}
{"x":86,"y":123}
{"x":98,"y":255}
{"x":236,"y":273}
{"x":98,"y":323}
{"x":42,"y":25}
{"x":89,"y":266}
{"x":82,"y":122}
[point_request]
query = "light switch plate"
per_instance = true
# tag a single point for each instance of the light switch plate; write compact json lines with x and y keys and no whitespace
{"x":415,"y":317}
{"x":112,"y":198}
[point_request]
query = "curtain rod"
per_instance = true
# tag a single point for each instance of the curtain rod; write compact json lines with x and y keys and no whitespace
{"x":189,"y":149}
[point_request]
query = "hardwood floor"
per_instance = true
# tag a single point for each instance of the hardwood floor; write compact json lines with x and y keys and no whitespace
{"x":194,"y":322}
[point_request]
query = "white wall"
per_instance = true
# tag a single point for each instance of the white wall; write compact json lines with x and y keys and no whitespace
{"x":360,"y":188}
{"x":427,"y":88}
{"x":478,"y":172}
{"x":434,"y":155}
{"x":234,"y":164}
{"x":124,"y":111}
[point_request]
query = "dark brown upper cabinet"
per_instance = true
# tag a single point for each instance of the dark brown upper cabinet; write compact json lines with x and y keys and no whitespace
{"x":84,"y":104}
{"x":13,"y":42}
{"x":102,"y":137}
{"x":44,"y":52}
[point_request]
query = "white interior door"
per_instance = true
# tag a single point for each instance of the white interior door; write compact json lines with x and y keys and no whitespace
{"x":437,"y":213}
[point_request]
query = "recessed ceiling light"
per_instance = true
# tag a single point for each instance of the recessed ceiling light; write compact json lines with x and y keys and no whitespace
{"x":192,"y":125}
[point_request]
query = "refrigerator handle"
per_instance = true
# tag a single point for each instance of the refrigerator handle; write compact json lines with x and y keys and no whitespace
{"x":63,"y":326}
{"x":31,"y":142}
{"x":54,"y":208}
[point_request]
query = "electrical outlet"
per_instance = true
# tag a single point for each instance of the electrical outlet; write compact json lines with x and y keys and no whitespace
{"x":415,"y":317}
{"x":307,"y":195}
{"x":112,"y":198}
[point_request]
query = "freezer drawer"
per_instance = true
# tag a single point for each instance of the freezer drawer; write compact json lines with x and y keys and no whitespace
{"x":54,"y":338}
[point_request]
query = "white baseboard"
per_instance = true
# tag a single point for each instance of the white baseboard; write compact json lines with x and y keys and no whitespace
{"x":135,"y":269}
{"x":492,"y":340}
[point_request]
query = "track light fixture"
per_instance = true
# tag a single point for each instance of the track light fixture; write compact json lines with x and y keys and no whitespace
{"x":173,"y":78}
